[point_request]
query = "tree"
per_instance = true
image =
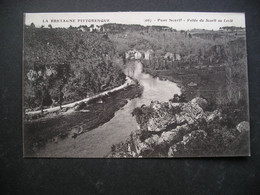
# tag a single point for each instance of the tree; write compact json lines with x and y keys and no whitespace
{"x":45,"y":97}
{"x":59,"y":67}
{"x":32,"y":25}
{"x":61,"y":96}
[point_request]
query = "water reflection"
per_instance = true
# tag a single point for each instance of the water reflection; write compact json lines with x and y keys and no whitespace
{"x":154,"y":89}
{"x":98,"y":142}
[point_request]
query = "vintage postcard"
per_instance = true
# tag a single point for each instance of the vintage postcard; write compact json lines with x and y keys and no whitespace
{"x":135,"y":85}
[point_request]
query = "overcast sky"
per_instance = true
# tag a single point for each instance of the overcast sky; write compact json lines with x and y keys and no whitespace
{"x":176,"y":20}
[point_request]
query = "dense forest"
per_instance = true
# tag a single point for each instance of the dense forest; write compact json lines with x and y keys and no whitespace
{"x":64,"y":65}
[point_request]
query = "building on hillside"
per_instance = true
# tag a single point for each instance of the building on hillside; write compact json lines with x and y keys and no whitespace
{"x":83,"y":28}
{"x":96,"y":28}
{"x":133,"y":54}
{"x":138,"y":55}
{"x":148,"y":54}
{"x":172,"y":56}
{"x":177,"y":57}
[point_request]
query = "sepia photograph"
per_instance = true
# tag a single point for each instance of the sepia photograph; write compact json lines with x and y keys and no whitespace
{"x":135,"y":85}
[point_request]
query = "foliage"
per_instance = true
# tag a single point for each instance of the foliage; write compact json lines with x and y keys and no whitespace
{"x":67,"y":61}
{"x":200,"y":50}
{"x":142,"y":115}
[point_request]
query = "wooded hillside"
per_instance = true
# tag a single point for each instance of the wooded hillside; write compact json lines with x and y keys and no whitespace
{"x":64,"y":65}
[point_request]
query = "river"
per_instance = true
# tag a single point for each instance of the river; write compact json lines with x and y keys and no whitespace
{"x":97,"y":142}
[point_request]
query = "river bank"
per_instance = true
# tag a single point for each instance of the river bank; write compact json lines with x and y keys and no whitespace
{"x":190,"y":124}
{"x":30,"y":115}
{"x":154,"y":123}
{"x":58,"y":125}
{"x":194,"y":82}
{"x":77,"y":140}
{"x":183,"y":129}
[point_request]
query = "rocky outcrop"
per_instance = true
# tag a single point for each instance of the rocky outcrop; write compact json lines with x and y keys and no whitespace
{"x":200,"y":102}
{"x":181,"y":129}
{"x":243,"y":127}
{"x":161,"y":116}
{"x":173,"y":135}
{"x":216,"y":114}
{"x":190,"y":112}
{"x":168,"y":114}
{"x":195,"y":138}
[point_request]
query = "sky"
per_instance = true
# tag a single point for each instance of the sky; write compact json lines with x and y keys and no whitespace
{"x":176,"y":20}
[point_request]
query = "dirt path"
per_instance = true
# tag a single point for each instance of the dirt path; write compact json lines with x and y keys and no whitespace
{"x":72,"y":125}
{"x":70,"y":105}
{"x":117,"y":126}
